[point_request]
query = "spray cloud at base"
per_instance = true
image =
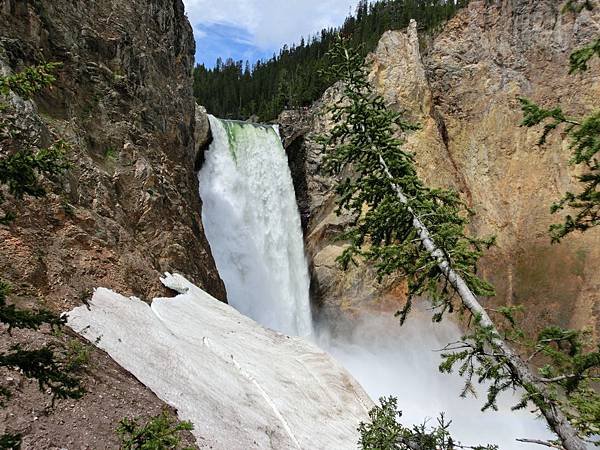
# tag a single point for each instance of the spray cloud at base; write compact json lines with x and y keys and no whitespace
{"x":390,"y":360}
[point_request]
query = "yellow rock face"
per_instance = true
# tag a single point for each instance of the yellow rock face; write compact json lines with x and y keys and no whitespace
{"x":463,"y":90}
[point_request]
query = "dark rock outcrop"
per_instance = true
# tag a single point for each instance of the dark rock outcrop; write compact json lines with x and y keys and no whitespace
{"x":127,"y":209}
{"x":294,"y":126}
{"x":202,"y":136}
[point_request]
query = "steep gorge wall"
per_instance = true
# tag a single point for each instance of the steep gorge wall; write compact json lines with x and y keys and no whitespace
{"x":506,"y":50}
{"x":463,"y":91}
{"x":128,"y":208}
{"x":124,"y":103}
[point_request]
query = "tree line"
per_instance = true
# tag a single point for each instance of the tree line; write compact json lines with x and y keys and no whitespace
{"x":292,"y":78}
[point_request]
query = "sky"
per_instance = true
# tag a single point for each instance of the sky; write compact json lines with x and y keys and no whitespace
{"x":255,"y":29}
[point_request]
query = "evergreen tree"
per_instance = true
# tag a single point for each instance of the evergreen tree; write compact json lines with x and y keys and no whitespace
{"x":288,"y":80}
{"x":385,"y":432}
{"x":19,"y":176}
{"x":401,"y":225}
{"x":161,"y":432}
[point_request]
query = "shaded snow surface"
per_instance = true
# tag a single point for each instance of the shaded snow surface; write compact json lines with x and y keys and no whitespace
{"x":241,"y":385}
{"x":250,"y":217}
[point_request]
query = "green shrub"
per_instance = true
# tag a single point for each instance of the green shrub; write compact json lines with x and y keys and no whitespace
{"x":159,"y":433}
{"x":77,"y":356}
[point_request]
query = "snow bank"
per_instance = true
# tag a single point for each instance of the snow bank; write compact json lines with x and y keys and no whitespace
{"x":241,"y":385}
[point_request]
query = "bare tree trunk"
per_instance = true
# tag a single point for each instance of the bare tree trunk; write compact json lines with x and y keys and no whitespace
{"x":556,"y":419}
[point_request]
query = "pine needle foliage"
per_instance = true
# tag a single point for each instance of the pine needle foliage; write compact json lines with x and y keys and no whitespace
{"x":20,"y":175}
{"x":379,"y":186}
{"x":159,"y":433}
{"x":20,"y":171}
{"x":385,"y":432}
{"x":576,"y":6}
{"x":363,"y":150}
{"x":30,"y":80}
{"x":580,"y":58}
{"x":44,"y":366}
{"x":10,"y":441}
{"x":19,"y":318}
{"x":570,"y":369}
{"x":572,"y":372}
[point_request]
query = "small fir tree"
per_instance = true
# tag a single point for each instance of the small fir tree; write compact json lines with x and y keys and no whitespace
{"x":385,"y":432}
{"x":161,"y":432}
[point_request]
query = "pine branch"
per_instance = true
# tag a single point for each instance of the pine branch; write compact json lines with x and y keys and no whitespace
{"x":20,"y":171}
{"x":579,"y":59}
{"x":44,"y":366}
{"x":400,"y":209}
{"x":19,"y":318}
{"x":10,"y":441}
{"x":539,"y":442}
{"x":30,"y":80}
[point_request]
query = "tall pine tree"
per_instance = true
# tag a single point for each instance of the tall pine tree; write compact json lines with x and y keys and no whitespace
{"x":401,"y":225}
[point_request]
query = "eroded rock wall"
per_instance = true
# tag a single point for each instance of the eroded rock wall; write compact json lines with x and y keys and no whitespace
{"x":463,"y":91}
{"x":127,"y":210}
{"x":487,"y":57}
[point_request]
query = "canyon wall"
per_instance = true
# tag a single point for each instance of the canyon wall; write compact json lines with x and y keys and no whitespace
{"x":462,"y":89}
{"x":128,"y":207}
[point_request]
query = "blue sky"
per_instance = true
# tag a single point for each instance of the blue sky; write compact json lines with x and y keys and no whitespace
{"x":253,"y":29}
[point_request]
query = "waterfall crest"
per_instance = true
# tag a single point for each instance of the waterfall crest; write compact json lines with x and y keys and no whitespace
{"x":252,"y":222}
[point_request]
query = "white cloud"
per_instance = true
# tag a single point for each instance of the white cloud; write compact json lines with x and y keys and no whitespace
{"x":270,"y":23}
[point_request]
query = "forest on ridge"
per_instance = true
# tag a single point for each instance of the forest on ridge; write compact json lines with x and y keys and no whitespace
{"x":292,"y":79}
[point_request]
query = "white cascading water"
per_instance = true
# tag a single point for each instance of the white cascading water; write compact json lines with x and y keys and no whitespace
{"x":252,"y":222}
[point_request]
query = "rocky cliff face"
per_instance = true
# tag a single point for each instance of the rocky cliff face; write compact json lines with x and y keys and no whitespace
{"x":505,"y":50}
{"x":128,"y":208}
{"x":463,"y":91}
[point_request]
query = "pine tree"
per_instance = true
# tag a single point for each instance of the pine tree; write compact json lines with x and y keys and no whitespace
{"x":384,"y":432}
{"x":402,"y":226}
{"x":161,"y":432}
{"x":288,"y":80}
{"x":19,"y":176}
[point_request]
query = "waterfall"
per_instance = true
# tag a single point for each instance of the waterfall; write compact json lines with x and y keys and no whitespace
{"x":252,"y":223}
{"x":251,"y":220}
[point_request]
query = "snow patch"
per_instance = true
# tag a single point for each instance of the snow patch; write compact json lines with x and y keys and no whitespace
{"x":241,"y":385}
